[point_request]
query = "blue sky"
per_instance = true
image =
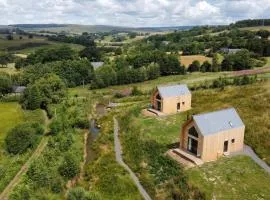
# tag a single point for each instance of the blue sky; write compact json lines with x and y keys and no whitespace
{"x":135,"y":13}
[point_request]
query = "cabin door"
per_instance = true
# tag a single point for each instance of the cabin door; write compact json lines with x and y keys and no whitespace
{"x":178,"y":106}
{"x":159,"y":105}
{"x":225,"y":148}
{"x":192,"y":145}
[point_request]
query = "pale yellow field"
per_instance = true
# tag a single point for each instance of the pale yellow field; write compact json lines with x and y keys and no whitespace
{"x":10,"y":69}
{"x":256,"y":28}
{"x":187,"y":60}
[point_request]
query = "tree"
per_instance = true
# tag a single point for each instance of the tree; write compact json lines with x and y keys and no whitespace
{"x":91,"y":53}
{"x":216,"y":63}
{"x":153,"y":71}
{"x":5,"y":58}
{"x":20,"y":138}
{"x":206,"y":66}
{"x":69,"y":167}
{"x":46,"y":90}
{"x":264,"y":33}
{"x":5,"y":84}
{"x":31,"y":98}
{"x":194,"y":67}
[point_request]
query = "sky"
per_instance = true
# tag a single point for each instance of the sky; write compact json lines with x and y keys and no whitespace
{"x":132,"y":13}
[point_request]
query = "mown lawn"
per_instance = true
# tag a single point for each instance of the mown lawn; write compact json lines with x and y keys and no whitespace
{"x":231,"y":178}
{"x":11,"y":115}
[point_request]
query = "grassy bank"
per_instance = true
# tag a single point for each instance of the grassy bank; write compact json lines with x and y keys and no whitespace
{"x":231,"y":178}
{"x":12,"y":115}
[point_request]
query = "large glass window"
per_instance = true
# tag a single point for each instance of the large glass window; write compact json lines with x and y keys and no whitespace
{"x":192,"y":131}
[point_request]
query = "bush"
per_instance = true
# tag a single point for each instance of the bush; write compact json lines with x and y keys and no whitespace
{"x":20,"y":138}
{"x":135,"y":91}
{"x":55,"y":127}
{"x":70,"y":167}
{"x":80,"y":194}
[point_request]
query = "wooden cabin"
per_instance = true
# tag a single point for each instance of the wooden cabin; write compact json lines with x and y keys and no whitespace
{"x":171,"y":99}
{"x":211,"y":135}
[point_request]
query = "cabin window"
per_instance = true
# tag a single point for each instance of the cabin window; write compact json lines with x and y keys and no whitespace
{"x":193,"y":132}
{"x":158,"y":97}
{"x":233,"y":140}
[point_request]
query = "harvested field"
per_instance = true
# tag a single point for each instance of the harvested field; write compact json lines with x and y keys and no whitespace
{"x":187,"y":60}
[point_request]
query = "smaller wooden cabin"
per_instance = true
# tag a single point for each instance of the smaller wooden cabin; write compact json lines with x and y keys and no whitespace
{"x":211,"y":135}
{"x":171,"y":99}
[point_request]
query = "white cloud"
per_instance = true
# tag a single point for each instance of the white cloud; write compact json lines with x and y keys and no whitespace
{"x":132,"y":13}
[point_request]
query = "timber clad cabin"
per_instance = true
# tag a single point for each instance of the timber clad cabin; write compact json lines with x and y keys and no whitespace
{"x":171,"y":99}
{"x":211,"y":135}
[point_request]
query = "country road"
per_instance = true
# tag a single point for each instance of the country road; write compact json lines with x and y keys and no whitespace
{"x":119,"y":159}
{"x":12,"y":184}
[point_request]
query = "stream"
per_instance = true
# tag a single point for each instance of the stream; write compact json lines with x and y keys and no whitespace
{"x":93,"y":133}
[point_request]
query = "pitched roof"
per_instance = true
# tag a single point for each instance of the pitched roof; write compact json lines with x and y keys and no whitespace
{"x":18,"y":89}
{"x":97,"y":64}
{"x":222,"y":120}
{"x":173,"y":90}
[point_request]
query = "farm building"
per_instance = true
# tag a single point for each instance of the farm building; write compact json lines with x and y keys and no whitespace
{"x":211,"y":135}
{"x":18,"y":89}
{"x":171,"y":99}
{"x":97,"y":65}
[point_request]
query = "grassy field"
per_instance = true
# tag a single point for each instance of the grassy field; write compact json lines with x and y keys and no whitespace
{"x":256,"y":28}
{"x":11,"y":115}
{"x":231,"y":178}
{"x":10,"y":69}
{"x":38,"y":42}
{"x":187,"y":60}
{"x":268,"y":62}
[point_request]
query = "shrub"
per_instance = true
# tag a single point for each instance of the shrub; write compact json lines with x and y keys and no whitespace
{"x":55,"y":127}
{"x":135,"y":91}
{"x":21,"y":138}
{"x":70,"y":167}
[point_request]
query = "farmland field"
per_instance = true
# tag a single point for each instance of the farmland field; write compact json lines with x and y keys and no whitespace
{"x":187,"y":60}
{"x":27,"y":45}
{"x":256,"y":28}
{"x":12,"y":115}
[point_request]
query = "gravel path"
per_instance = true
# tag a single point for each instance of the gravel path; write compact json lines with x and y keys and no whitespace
{"x":248,"y":151}
{"x":119,"y":159}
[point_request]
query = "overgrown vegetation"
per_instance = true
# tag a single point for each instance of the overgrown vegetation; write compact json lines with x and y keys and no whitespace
{"x":162,"y":177}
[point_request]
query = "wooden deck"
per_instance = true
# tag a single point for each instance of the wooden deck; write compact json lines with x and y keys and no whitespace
{"x":184,"y":157}
{"x":156,"y":112}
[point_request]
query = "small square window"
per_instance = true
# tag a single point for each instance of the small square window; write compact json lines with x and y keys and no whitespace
{"x":233,"y":140}
{"x":183,"y":103}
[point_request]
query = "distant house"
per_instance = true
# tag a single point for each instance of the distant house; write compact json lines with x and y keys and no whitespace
{"x":96,"y":65}
{"x":211,"y":135}
{"x":171,"y":99}
{"x":18,"y":89}
{"x":229,"y":51}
